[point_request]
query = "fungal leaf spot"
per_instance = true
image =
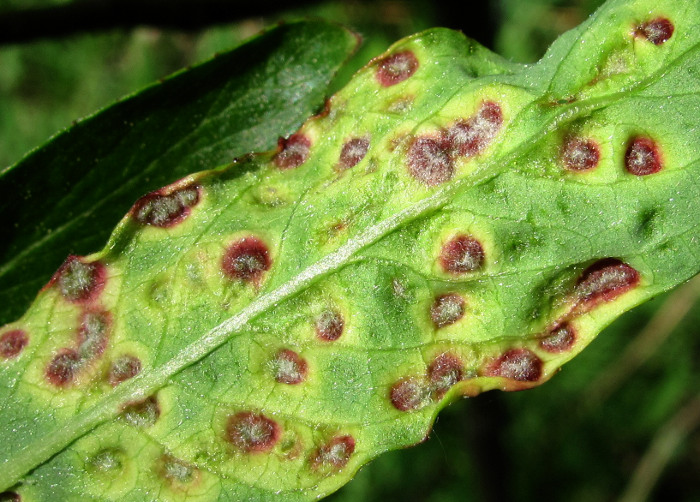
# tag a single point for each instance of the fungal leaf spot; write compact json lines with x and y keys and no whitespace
{"x":353,"y":152}
{"x":335,"y":454}
{"x":429,"y":161}
{"x":329,"y":325}
{"x":63,"y":367}
{"x":604,"y":281}
{"x":93,"y":333}
{"x":409,"y":394}
{"x":521,"y":365}
{"x":252,"y":432}
{"x":79,"y":281}
{"x":289,"y":367}
{"x":643,"y":157}
{"x":176,"y":471}
{"x":461,"y":254}
{"x":447,"y":309}
{"x":469,"y":137}
{"x":580,"y":154}
{"x":12,"y":343}
{"x":123,"y":368}
{"x":396,"y":68}
{"x":657,"y":31}
{"x":247,"y":259}
{"x":293,"y":151}
{"x":445,"y":371}
{"x":166,"y":207}
{"x":143,"y":413}
{"x":560,"y":339}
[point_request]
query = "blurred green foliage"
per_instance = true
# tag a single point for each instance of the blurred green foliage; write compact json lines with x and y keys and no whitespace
{"x":558,"y":442}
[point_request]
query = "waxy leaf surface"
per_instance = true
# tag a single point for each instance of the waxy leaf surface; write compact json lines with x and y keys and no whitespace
{"x":453,"y":224}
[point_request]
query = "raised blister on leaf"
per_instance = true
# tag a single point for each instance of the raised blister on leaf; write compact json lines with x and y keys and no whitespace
{"x":396,"y":68}
{"x":252,"y":432}
{"x":12,"y":343}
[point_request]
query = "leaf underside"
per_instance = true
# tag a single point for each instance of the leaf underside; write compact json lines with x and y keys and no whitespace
{"x":453,"y":224}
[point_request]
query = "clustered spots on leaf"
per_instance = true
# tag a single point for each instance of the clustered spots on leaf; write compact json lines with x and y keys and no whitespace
{"x":642,"y":156}
{"x":12,"y":343}
{"x":293,"y":151}
{"x":445,"y":371}
{"x":329,"y":325}
{"x":335,"y":454}
{"x":166,"y":207}
{"x":177,"y":471}
{"x":92,"y":336}
{"x":413,"y":393}
{"x":79,"y":281}
{"x":447,"y":309}
{"x":142,"y":413}
{"x":247,"y":259}
{"x":580,"y":154}
{"x":64,"y":367}
{"x":604,"y":281}
{"x":289,"y":367}
{"x":431,"y":157}
{"x":560,"y":339}
{"x":396,"y":68}
{"x":252,"y":432}
{"x":123,"y":368}
{"x":353,"y":151}
{"x":521,"y":365}
{"x":657,"y":31}
{"x":469,"y":137}
{"x":461,"y":254}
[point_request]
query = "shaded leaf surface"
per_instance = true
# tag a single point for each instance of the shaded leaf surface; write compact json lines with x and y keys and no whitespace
{"x":58,"y":199}
{"x":298,"y":313}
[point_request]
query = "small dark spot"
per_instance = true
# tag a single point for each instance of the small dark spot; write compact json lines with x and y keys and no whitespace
{"x":247,"y":259}
{"x":447,"y":309}
{"x":63,"y":367}
{"x":12,"y":343}
{"x":292,"y":152}
{"x":252,"y":432}
{"x":396,"y":68}
{"x":461,"y":254}
{"x":176,"y":470}
{"x":580,"y":154}
{"x":10,"y":497}
{"x":445,"y":371}
{"x":642,"y":156}
{"x":289,"y":367}
{"x":166,"y":207}
{"x":521,"y":365}
{"x":409,"y":394}
{"x":143,"y":413}
{"x":560,"y":339}
{"x":93,"y":333}
{"x":604,"y":281}
{"x":335,"y":454}
{"x":329,"y":325}
{"x":429,"y":161}
{"x":469,"y":137}
{"x":353,"y":152}
{"x":657,"y":31}
{"x":79,"y":281}
{"x":123,"y":368}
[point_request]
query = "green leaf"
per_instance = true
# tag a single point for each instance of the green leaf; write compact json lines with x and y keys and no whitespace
{"x":64,"y":198}
{"x":454,"y":224}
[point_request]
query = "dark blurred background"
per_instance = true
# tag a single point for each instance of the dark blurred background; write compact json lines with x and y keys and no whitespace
{"x":620,"y":422}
